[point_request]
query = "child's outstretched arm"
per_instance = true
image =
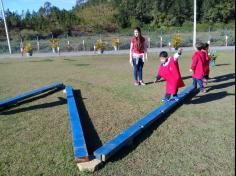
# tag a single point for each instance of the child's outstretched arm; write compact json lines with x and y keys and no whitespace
{"x":158,"y":78}
{"x":178,"y":54}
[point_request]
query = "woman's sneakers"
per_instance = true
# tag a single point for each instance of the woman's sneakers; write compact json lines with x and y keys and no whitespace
{"x":142,"y":83}
{"x":139,"y":83}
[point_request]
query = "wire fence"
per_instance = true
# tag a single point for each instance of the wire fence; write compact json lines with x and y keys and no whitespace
{"x":154,"y":39}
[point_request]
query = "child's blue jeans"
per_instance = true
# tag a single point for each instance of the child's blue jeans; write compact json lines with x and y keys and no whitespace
{"x":198,"y":82}
{"x":138,"y":69}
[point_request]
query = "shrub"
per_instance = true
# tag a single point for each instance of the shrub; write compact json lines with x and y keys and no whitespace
{"x":176,"y":41}
{"x":28,"y":48}
{"x":115,"y":42}
{"x":100,"y":45}
{"x":54,"y":43}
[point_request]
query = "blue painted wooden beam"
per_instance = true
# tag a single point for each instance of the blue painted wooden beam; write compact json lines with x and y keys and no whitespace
{"x":14,"y":100}
{"x":79,"y":144}
{"x":124,"y":138}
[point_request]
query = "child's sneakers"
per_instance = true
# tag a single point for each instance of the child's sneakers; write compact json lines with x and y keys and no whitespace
{"x":203,"y":90}
{"x":136,"y":84}
{"x":176,"y":98}
{"x":165,"y":99}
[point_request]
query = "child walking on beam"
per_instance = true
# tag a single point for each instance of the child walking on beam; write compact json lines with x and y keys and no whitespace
{"x":169,"y":70}
{"x":197,"y":67}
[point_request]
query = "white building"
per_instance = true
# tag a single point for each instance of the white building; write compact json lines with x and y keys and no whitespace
{"x":80,"y":2}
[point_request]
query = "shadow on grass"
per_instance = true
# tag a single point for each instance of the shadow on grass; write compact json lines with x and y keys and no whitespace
{"x":91,"y":136}
{"x":146,"y":133}
{"x":61,"y":101}
{"x":221,"y":86}
{"x":44,"y":60}
{"x":222,"y":65}
{"x":81,"y":65}
{"x":71,"y":60}
{"x":4,"y":63}
{"x":209,"y":97}
{"x":223,"y":77}
{"x":7,"y":110}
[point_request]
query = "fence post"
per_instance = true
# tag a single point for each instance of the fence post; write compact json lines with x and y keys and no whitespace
{"x":160,"y":41}
{"x":94,"y":49}
{"x":226,"y":40}
{"x":84,"y":49}
{"x":149,"y":42}
{"x":209,"y":36}
{"x":38,"y":44}
{"x":169,"y":44}
{"x":21,"y":47}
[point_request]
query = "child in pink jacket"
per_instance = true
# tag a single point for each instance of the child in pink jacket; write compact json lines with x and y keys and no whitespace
{"x":197,"y":67}
{"x":169,"y":70}
{"x":206,"y":63}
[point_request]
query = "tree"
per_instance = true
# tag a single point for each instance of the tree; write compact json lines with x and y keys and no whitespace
{"x":47,"y":8}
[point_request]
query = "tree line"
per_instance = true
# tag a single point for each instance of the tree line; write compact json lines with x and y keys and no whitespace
{"x":116,"y":15}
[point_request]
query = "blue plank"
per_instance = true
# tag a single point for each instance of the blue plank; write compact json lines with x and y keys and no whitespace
{"x":16,"y":99}
{"x":114,"y":145}
{"x":79,"y":144}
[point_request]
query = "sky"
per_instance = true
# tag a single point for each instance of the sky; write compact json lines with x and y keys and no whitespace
{"x":19,"y":5}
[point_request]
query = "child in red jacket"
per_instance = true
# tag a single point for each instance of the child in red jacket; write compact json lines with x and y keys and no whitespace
{"x":197,"y":67}
{"x":206,"y":63}
{"x":169,"y":70}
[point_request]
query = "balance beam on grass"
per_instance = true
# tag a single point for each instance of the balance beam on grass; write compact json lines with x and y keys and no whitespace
{"x":126,"y":137}
{"x":80,"y":148}
{"x":14,"y":100}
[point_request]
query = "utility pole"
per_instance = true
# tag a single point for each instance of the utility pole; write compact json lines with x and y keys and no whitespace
{"x":194,"y":23}
{"x":4,"y":19}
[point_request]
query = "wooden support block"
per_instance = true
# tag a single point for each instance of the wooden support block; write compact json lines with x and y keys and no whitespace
{"x":89,"y":166}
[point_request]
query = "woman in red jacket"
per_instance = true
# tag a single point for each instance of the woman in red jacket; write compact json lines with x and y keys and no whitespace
{"x":197,"y":67}
{"x":138,"y":55}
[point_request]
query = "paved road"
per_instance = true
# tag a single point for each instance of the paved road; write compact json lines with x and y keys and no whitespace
{"x":91,"y":53}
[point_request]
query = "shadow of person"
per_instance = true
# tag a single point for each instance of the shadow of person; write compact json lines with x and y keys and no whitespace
{"x":223,"y":77}
{"x":221,"y":86}
{"x":92,"y":139}
{"x":209,"y":97}
{"x":150,"y":82}
{"x":217,"y":65}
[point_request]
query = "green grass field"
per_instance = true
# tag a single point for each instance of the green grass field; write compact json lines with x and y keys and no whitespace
{"x":35,"y":137}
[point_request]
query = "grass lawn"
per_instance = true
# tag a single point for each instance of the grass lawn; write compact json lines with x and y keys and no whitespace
{"x":35,"y":137}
